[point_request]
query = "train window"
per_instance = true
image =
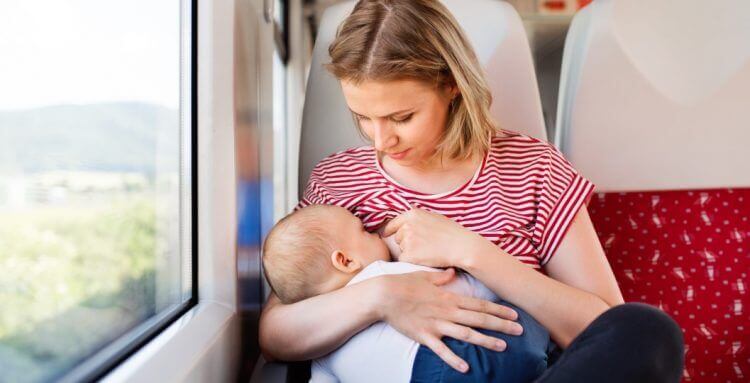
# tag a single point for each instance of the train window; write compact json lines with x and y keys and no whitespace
{"x":96,"y":181}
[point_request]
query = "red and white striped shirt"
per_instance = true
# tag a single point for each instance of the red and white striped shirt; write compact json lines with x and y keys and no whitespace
{"x":522,"y":198}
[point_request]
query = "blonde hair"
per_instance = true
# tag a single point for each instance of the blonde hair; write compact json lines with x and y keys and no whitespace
{"x":383,"y":40}
{"x":296,"y":254}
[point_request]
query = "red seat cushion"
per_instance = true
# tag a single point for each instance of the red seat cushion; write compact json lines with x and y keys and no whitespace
{"x":688,"y":253}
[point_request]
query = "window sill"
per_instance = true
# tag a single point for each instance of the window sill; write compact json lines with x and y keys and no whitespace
{"x":204,"y":340}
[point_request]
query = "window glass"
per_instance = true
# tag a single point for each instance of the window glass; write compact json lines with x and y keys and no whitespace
{"x":94,"y":177}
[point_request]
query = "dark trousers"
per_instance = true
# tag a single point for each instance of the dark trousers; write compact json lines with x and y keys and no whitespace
{"x":633,"y":342}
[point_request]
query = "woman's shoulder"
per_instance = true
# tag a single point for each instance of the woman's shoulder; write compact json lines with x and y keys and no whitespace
{"x":527,"y":156}
{"x":509,"y":142}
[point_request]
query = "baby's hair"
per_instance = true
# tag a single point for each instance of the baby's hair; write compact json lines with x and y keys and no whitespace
{"x":296,"y":254}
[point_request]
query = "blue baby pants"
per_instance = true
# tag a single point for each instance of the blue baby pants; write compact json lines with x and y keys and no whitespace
{"x":524,"y":359}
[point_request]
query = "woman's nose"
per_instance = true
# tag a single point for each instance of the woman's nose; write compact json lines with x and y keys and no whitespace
{"x":383,"y":137}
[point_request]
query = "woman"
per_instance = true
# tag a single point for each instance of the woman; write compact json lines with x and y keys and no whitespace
{"x":506,"y":208}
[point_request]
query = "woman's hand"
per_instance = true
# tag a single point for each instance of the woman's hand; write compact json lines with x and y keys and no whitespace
{"x":431,"y":239}
{"x":415,"y":306}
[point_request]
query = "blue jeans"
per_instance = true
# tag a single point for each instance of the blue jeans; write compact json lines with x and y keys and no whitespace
{"x":523,"y":360}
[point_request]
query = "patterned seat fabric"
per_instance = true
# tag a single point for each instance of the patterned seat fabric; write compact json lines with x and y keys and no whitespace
{"x":688,"y":253}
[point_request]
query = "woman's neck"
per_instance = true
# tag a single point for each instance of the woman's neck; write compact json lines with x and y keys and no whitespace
{"x":435,"y":177}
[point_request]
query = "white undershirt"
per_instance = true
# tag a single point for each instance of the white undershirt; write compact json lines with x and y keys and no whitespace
{"x":380,"y":353}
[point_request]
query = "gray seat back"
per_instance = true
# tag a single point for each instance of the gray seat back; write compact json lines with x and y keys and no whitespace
{"x":654,"y":95}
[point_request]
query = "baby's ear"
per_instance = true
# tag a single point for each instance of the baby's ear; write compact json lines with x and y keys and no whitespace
{"x":344,"y":263}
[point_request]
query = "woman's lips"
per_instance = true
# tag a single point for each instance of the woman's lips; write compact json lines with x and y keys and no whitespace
{"x":399,"y":155}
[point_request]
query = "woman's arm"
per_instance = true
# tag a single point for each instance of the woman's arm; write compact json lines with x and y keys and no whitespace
{"x":316,"y":326}
{"x":580,"y":262}
{"x":412,"y":303}
{"x":579,"y":288}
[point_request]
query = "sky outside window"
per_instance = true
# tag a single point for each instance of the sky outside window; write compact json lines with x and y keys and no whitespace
{"x":88,"y":51}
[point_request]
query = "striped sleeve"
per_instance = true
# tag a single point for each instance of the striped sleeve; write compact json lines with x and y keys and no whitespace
{"x":563,"y":191}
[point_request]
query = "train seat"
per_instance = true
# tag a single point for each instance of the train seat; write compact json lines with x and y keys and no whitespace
{"x":495,"y":31}
{"x":652,"y":108}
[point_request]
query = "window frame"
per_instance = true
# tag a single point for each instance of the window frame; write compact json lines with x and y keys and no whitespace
{"x":98,"y":365}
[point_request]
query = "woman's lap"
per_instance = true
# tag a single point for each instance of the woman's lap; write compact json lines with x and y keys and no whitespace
{"x":633,"y":342}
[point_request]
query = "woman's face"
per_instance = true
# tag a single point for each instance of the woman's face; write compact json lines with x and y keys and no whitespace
{"x":405,"y":119}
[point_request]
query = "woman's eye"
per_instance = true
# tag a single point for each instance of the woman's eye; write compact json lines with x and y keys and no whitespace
{"x":403,"y":119}
{"x":360,"y":117}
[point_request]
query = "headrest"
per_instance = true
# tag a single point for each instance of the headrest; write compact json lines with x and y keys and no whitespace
{"x":499,"y":40}
{"x":654,"y":95}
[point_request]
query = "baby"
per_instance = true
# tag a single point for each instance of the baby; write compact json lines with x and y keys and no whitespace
{"x":321,"y":248}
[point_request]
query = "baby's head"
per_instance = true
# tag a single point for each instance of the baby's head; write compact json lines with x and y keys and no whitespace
{"x":318,"y":249}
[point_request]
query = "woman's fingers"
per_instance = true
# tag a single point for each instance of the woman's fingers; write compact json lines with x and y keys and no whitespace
{"x":445,"y":353}
{"x":440,"y":278}
{"x":470,"y":335}
{"x":481,"y":305}
{"x":399,"y":237}
{"x":486,"y":321}
{"x":393,"y":225}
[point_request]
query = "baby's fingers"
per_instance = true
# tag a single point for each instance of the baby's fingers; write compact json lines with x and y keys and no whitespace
{"x":470,"y":335}
{"x":438,"y":347}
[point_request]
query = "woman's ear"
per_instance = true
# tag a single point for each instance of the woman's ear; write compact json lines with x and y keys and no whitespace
{"x":344,"y":263}
{"x":452,"y":89}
